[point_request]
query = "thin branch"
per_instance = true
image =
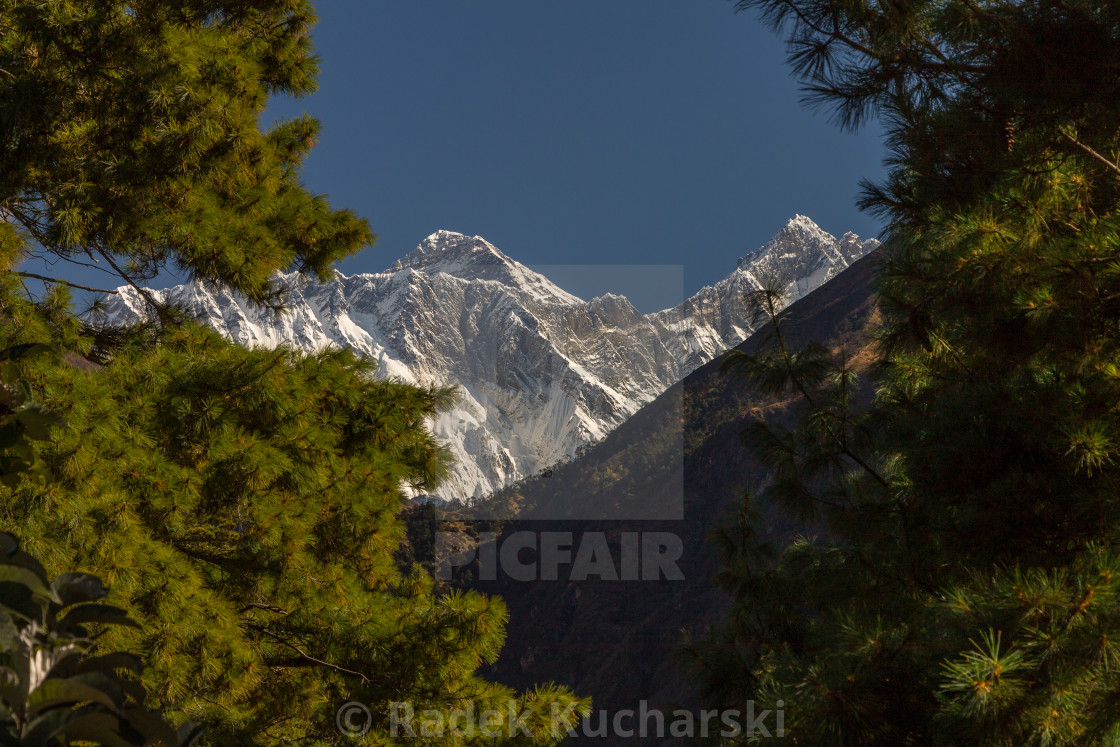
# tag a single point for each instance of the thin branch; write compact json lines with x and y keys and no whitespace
{"x":951,"y":350}
{"x":266,"y":607}
{"x":46,"y":255}
{"x":142,"y":291}
{"x":1091,"y":152}
{"x":841,"y":440}
{"x":835,"y":34}
{"x":46,"y":279}
{"x":304,"y":656}
{"x":787,"y":359}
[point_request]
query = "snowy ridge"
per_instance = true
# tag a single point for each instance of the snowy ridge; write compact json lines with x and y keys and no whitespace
{"x":540,"y":371}
{"x":801,"y":256}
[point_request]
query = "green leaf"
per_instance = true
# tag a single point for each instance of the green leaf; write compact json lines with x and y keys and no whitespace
{"x":43,"y":730}
{"x":9,"y":632}
{"x":28,"y":578}
{"x":152,"y":725}
{"x":100,"y":614}
{"x":113,"y":661}
{"x":101,"y":728}
{"x":56,"y":691}
{"x":37,"y":421}
{"x":75,"y":588}
{"x":20,"y":603}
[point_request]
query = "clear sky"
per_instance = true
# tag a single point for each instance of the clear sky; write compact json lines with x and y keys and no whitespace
{"x":613,"y":132}
{"x":617,"y":132}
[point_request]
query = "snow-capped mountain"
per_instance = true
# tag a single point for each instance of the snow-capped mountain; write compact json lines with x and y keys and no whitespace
{"x":718,"y":317}
{"x":540,"y":371}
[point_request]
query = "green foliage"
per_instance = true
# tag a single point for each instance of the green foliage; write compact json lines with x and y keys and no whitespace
{"x":57,"y":684}
{"x":22,"y":420}
{"x":956,"y":582}
{"x":129,"y":136}
{"x":52,"y":690}
{"x":243,"y":505}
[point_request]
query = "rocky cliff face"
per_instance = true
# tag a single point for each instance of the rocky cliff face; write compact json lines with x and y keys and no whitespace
{"x":540,"y":371}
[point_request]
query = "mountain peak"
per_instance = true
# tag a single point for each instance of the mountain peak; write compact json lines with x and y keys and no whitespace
{"x":803,"y":221}
{"x":801,"y":227}
{"x":450,"y":251}
{"x":475,"y":258}
{"x":800,"y":231}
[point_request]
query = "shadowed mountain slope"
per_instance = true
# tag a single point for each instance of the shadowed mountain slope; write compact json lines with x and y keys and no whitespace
{"x":614,"y":640}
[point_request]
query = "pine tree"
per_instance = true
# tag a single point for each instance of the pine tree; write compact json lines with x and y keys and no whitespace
{"x":53,"y":691}
{"x":957,"y":584}
{"x":241,"y":505}
{"x":130,"y":139}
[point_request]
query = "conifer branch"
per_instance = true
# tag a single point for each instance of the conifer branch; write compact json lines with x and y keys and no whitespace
{"x":128,"y":279}
{"x":945,"y":64}
{"x":775,"y":321}
{"x":1089,"y":150}
{"x":951,"y":351}
{"x":46,"y":279}
{"x":841,"y":440}
{"x":303,"y":655}
{"x":265,"y":607}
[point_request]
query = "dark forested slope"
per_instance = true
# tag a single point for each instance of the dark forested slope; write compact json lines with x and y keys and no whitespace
{"x":615,"y":640}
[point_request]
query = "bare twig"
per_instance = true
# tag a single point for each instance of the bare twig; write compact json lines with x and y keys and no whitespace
{"x":304,"y":656}
{"x":265,"y":607}
{"x":46,"y":279}
{"x":143,"y":292}
{"x":1091,"y":152}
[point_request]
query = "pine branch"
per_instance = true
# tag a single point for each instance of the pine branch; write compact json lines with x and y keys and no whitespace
{"x":303,"y":655}
{"x":1087,"y":149}
{"x":128,"y":279}
{"x":836,"y":34}
{"x":266,"y":607}
{"x":787,"y":359}
{"x":46,"y":279}
{"x":841,"y":441}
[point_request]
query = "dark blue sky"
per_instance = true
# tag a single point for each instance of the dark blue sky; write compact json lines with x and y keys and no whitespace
{"x":584,"y":132}
{"x":652,"y":132}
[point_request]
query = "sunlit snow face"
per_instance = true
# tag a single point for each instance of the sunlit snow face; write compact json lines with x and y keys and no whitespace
{"x":541,"y":373}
